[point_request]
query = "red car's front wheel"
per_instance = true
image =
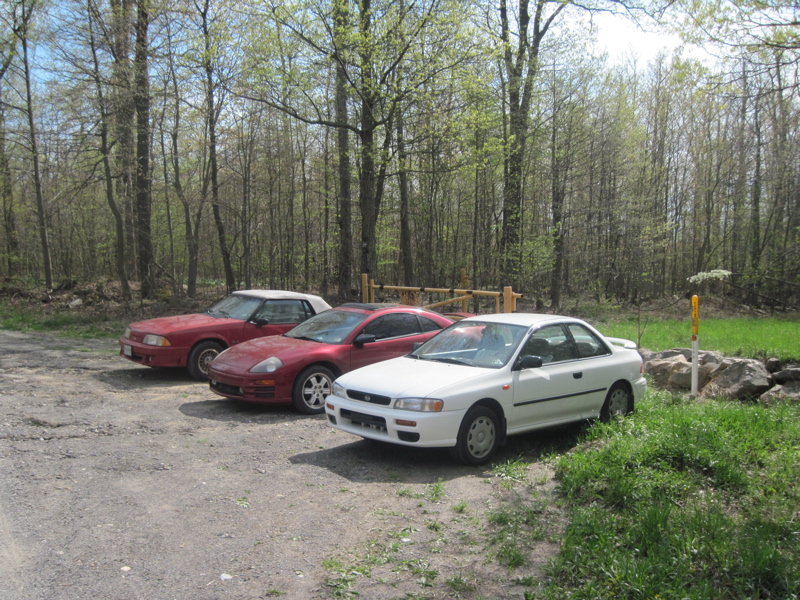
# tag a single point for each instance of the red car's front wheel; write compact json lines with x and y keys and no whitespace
{"x":200,"y":357}
{"x":311,"y":388}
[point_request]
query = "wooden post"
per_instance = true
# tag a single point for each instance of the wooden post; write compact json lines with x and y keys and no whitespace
{"x":465,"y":285}
{"x":364,"y":288}
{"x":509,"y":300}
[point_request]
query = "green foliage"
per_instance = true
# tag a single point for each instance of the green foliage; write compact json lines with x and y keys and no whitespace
{"x":683,"y":500}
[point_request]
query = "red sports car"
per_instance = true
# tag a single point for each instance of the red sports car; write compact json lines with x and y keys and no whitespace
{"x":193,"y":341}
{"x":299,"y":367}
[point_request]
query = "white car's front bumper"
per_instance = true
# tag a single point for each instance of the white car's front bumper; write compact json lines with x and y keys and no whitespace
{"x":410,"y":428}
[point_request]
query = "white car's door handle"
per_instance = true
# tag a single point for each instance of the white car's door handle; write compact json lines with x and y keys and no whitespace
{"x":577,"y":375}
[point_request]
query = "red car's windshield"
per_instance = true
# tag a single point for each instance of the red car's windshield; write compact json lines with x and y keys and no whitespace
{"x":235,"y":306}
{"x":329,"y":327}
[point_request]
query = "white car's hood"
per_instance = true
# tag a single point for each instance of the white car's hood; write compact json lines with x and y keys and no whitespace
{"x":408,"y":377}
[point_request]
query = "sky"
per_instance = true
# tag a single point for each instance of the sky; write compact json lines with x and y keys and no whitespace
{"x":624,"y":40}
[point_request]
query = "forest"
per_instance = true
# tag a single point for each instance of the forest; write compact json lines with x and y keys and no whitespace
{"x":298,"y":144}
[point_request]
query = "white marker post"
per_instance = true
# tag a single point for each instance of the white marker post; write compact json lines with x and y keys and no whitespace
{"x":695,"y":330}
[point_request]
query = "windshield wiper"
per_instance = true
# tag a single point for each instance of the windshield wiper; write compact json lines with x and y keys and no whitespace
{"x":302,"y":337}
{"x":450,"y":361}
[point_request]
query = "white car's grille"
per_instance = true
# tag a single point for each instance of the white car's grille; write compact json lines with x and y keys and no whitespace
{"x":371,"y":398}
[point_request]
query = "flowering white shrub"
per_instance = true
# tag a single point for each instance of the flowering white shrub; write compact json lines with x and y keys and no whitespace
{"x":715,"y":275}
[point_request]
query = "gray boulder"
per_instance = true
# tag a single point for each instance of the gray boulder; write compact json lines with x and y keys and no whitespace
{"x":788,"y":375}
{"x":673,"y":368}
{"x":781,"y":393}
{"x":738,"y":379}
{"x":661,"y":369}
{"x":681,"y":377}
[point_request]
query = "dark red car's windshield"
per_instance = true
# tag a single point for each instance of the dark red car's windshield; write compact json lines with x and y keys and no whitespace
{"x":329,"y":327}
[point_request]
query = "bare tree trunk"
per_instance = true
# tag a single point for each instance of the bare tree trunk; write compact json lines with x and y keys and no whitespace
{"x":105,"y":151}
{"x":123,"y":114}
{"x":6,"y":187}
{"x":521,"y":66}
{"x":211,"y":124}
{"x":41,"y":203}
{"x":143,"y":191}
{"x":344,"y":278}
{"x":7,"y":193}
{"x":406,"y":258}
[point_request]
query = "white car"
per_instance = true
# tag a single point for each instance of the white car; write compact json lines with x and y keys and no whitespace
{"x":487,"y":377}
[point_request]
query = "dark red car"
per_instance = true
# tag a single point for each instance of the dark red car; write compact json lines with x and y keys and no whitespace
{"x":300,"y":366}
{"x":193,"y":341}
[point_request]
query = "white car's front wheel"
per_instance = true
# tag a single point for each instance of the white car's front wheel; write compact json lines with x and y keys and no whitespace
{"x":478,"y":437}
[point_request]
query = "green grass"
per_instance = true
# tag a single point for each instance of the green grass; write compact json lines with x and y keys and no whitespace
{"x":682,"y":500}
{"x":75,"y":324}
{"x":749,"y":338}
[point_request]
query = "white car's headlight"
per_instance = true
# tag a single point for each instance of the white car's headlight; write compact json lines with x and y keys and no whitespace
{"x":338,"y":390}
{"x":127,"y":333}
{"x":270,"y":365}
{"x":419,"y":404}
{"x":155,"y":340}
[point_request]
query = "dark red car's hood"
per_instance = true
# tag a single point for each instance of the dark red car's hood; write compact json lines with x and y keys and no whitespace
{"x":166,"y":325}
{"x":243,"y":357}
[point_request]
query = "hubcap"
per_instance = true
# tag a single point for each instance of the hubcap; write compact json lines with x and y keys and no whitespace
{"x":316,"y":389}
{"x":205,"y":360}
{"x":480,"y":438}
{"x":618,"y":403}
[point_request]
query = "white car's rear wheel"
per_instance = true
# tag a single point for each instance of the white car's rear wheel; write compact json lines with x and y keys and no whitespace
{"x":619,"y":402}
{"x":478,"y":437}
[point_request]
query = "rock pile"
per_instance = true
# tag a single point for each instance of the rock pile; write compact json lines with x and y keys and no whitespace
{"x":720,"y":377}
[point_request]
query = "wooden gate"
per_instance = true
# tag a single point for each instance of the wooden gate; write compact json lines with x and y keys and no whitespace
{"x":505,"y":301}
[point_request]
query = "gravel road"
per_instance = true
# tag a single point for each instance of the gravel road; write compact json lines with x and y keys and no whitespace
{"x":122,"y":482}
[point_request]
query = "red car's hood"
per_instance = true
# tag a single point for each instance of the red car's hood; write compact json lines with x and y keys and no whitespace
{"x":243,"y":357}
{"x":166,"y":325}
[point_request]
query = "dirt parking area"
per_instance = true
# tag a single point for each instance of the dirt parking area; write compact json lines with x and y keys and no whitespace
{"x":122,"y":482}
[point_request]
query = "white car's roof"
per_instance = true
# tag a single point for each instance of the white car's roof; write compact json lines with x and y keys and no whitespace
{"x":523,"y":319}
{"x":317,"y":303}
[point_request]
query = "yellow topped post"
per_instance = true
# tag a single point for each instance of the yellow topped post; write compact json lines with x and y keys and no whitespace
{"x":695,"y":343}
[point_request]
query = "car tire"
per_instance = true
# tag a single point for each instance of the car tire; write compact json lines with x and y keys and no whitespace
{"x":311,"y":388}
{"x":478,"y":437}
{"x":200,"y":357}
{"x":619,"y":402}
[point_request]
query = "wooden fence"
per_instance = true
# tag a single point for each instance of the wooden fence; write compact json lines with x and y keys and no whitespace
{"x":505,"y":301}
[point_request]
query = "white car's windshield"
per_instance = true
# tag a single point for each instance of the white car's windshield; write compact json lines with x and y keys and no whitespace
{"x":235,"y":306}
{"x":473,"y":343}
{"x":330,"y":327}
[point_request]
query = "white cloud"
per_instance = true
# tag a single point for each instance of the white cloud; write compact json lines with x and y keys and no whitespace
{"x":624,"y":41}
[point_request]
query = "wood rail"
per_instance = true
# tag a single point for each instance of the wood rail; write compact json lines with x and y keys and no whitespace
{"x":410,"y":295}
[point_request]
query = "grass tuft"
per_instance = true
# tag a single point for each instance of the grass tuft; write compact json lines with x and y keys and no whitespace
{"x":683,"y":500}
